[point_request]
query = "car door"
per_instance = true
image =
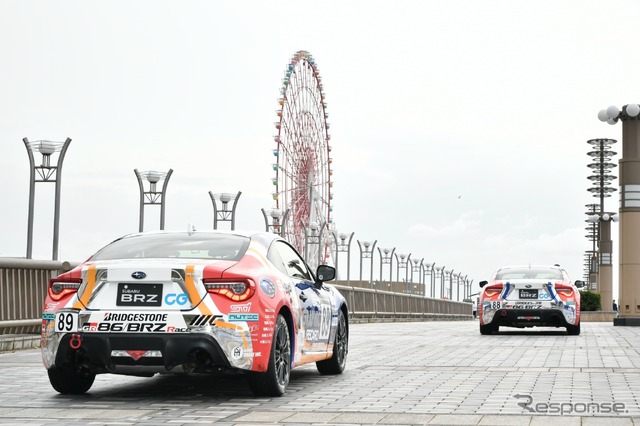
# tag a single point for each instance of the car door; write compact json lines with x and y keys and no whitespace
{"x":315,"y":303}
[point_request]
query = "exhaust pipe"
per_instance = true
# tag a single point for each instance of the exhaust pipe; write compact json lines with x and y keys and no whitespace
{"x":198,"y":360}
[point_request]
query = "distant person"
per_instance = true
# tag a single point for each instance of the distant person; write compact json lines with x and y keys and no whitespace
{"x":615,"y":307}
{"x":474,"y":309}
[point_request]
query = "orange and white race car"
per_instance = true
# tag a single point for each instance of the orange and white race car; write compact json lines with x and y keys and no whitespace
{"x":203,"y":302}
{"x":528,"y":296}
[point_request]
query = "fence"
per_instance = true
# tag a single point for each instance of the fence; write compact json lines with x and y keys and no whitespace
{"x":23,"y":287}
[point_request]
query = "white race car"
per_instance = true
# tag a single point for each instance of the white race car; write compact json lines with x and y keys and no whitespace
{"x":203,"y":302}
{"x":528,"y":296}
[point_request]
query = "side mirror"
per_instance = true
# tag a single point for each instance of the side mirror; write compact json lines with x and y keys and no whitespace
{"x":325,"y":273}
{"x":579,"y":283}
{"x":483,"y":283}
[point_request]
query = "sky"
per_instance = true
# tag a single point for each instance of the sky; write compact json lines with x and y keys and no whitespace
{"x":458,"y":128}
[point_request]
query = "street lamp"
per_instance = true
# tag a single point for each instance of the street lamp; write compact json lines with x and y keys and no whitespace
{"x":224,"y":213}
{"x":343,"y":244}
{"x":46,"y":173}
{"x":278,"y":221}
{"x":605,"y":263}
{"x":312,"y":237}
{"x":401,"y":263}
{"x":152,"y":196}
{"x":629,"y":212}
{"x":430,"y":270}
{"x":366,"y":252}
{"x":417,"y":267}
{"x":386,"y":258}
{"x":440,"y":274}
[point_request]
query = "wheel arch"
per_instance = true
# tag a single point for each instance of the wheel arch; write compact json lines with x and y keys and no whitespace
{"x":288,"y":317}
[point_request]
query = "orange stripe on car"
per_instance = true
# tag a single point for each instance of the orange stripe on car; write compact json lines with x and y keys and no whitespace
{"x":91,"y":283}
{"x":192,"y":291}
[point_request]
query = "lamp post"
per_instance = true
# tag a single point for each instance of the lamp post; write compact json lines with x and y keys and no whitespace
{"x":366,"y":252}
{"x":386,"y":258}
{"x":311,"y":237}
{"x":605,"y":263}
{"x":152,"y":196}
{"x":278,"y":221}
{"x":629,"y":212}
{"x":429,"y":269}
{"x":343,"y":245}
{"x":601,"y":177}
{"x":592,"y":236}
{"x":451,"y":284}
{"x":417,"y":268}
{"x":440,"y":274}
{"x":225,"y":213}
{"x":402,"y":260}
{"x":46,"y":173}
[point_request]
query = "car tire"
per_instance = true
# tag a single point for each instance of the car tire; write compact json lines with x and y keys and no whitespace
{"x":488,"y":329}
{"x":274,"y":381}
{"x":573,"y":330}
{"x":71,"y":380}
{"x":338,"y":361}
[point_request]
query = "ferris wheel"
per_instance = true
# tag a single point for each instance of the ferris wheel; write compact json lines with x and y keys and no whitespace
{"x":302,"y":170}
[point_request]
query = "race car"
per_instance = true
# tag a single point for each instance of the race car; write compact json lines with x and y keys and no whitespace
{"x":528,"y":296}
{"x":202,"y":302}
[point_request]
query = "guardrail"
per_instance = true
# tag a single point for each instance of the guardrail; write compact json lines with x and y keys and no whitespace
{"x":23,"y":287}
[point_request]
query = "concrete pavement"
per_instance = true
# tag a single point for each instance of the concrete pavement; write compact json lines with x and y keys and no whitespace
{"x":397,"y":374}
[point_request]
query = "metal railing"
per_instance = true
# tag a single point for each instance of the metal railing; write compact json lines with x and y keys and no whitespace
{"x":23,"y":288}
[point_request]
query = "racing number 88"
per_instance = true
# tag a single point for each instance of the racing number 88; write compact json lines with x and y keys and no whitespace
{"x":496,"y":305}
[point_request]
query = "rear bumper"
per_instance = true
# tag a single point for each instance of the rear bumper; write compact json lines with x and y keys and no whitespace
{"x":158,"y":352}
{"x":531,"y":318}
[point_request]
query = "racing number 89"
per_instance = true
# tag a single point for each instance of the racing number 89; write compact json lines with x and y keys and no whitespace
{"x":66,"y":321}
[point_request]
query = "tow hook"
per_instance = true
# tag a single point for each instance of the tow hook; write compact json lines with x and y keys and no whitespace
{"x":76,"y":341}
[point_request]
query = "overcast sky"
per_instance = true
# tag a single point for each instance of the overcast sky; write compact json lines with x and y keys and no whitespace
{"x":458,"y":128}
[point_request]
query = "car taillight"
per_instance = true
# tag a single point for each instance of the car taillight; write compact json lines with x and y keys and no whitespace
{"x":493,"y":290}
{"x":565,"y":290}
{"x":59,"y":289}
{"x":235,"y":290}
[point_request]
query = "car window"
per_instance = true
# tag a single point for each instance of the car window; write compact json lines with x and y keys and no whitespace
{"x":274,"y":257}
{"x":293,"y":264}
{"x":176,"y":245}
{"x":529,"y":273}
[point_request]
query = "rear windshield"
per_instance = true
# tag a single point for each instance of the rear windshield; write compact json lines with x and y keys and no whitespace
{"x":178,"y":245}
{"x":530,"y":273}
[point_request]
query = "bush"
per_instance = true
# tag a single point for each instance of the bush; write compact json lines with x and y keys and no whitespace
{"x":590,"y":301}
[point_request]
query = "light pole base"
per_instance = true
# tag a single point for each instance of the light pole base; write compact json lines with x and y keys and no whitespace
{"x":626,"y":321}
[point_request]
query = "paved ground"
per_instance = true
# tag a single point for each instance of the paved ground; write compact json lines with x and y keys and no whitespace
{"x":397,"y":374}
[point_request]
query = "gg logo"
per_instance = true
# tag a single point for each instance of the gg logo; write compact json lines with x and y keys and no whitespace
{"x":173,"y":298}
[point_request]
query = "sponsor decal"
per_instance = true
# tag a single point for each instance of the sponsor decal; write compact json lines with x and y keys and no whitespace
{"x":113,"y":316}
{"x":201,"y":320}
{"x":268,"y":287}
{"x":246,"y":307}
{"x":140,"y":327}
{"x":127,"y":322}
{"x":49,"y":316}
{"x":243,"y":317}
{"x":527,"y":305}
{"x":237,"y":352}
{"x":51,"y":306}
{"x":176,"y":299}
{"x":254,"y":328}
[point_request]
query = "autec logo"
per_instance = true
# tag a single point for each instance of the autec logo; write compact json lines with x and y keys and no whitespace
{"x":138,"y":275}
